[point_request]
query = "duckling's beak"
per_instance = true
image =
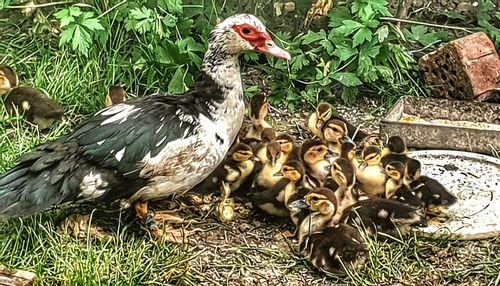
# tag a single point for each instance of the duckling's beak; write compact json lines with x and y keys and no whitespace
{"x":255,"y":159}
{"x":299,"y":204}
{"x":273,"y":161}
{"x":319,"y":124}
{"x":278,"y":174}
{"x":346,"y":139}
{"x":327,"y":168}
{"x":330,"y":154}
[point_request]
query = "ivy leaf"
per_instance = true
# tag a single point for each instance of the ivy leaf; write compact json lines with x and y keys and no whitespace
{"x":176,"y":84}
{"x":312,"y":37}
{"x":362,"y":35}
{"x":345,"y":52}
{"x":337,"y":15}
{"x":347,"y":78}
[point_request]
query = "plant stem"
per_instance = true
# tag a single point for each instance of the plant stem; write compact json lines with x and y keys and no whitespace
{"x":38,"y":5}
{"x":111,"y":9}
{"x":391,"y":19}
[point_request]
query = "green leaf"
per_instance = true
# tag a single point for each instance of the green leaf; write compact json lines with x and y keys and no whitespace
{"x":337,"y":15}
{"x":140,"y":13}
{"x":347,"y":78}
{"x":176,"y":84}
{"x":369,"y":50}
{"x":362,"y":35}
{"x":67,"y":35}
{"x":382,"y":33}
{"x":299,"y":61}
{"x":81,"y":40}
{"x":92,"y":24}
{"x":380,"y":7}
{"x":4,"y":3}
{"x":312,"y":37}
{"x":174,"y":6}
{"x":345,"y":52}
{"x":348,"y":27}
{"x":386,"y":73}
{"x":349,"y":94}
{"x":75,"y":11}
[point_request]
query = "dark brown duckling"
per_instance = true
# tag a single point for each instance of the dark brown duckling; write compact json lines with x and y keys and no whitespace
{"x":116,"y":95}
{"x":396,"y":188}
{"x":8,"y":79}
{"x":394,"y":151}
{"x":35,"y":105}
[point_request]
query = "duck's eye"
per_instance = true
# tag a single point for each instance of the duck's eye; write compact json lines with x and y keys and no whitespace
{"x":315,"y":199}
{"x":246,"y":31}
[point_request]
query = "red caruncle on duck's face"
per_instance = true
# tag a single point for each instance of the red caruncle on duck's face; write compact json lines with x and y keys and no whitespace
{"x":260,"y":41}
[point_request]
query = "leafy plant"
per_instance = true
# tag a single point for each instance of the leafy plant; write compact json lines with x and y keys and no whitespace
{"x":487,"y":9}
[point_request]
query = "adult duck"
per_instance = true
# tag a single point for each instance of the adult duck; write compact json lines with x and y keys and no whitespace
{"x":148,"y":148}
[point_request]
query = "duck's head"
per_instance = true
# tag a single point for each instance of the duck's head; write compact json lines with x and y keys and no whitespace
{"x":242,"y":152}
{"x":348,"y":150}
{"x":241,"y":33}
{"x":371,"y":155}
{"x":413,"y":168}
{"x":286,"y":142}
{"x":395,"y":145}
{"x":273,"y":152}
{"x":314,"y":151}
{"x":8,"y":79}
{"x":395,"y":170}
{"x":268,"y":135}
{"x":293,"y":170}
{"x":323,"y":113}
{"x":335,"y":130}
{"x":116,"y":95}
{"x":321,"y":200}
{"x":258,"y":106}
{"x":343,"y":173}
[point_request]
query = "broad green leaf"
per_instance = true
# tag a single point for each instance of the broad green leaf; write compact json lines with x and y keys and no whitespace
{"x":75,"y":11}
{"x":174,"y":6}
{"x":380,"y":7}
{"x":327,"y":45}
{"x":347,"y":78}
{"x":299,"y":61}
{"x":67,"y":35}
{"x":312,"y":37}
{"x":366,"y":14}
{"x":81,"y":40}
{"x":176,"y":84}
{"x":92,"y":24}
{"x":337,"y":15}
{"x":140,"y":13}
{"x":386,"y":73}
{"x":345,"y":52}
{"x":143,"y":26}
{"x":369,"y":50}
{"x":351,"y":24}
{"x":362,"y":35}
{"x":349,"y":94}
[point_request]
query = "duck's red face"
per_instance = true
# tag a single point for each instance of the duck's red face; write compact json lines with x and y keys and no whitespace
{"x":260,"y":41}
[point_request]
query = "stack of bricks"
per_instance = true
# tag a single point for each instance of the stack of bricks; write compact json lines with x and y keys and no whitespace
{"x":467,"y":68}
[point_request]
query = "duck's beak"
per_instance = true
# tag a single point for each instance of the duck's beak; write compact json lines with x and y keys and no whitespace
{"x":270,"y":48}
{"x":330,"y":155}
{"x":273,"y":161}
{"x":278,"y":174}
{"x":299,"y":204}
{"x":255,"y":159}
{"x":346,"y":139}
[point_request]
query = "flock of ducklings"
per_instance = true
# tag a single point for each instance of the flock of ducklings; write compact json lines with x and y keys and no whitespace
{"x":322,"y":188}
{"x":319,"y":185}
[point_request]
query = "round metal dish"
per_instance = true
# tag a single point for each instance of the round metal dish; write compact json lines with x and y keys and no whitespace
{"x":475,"y":180}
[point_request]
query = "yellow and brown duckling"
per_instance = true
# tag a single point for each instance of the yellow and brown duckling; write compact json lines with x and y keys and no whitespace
{"x":394,"y":150}
{"x":8,"y":79}
{"x":344,"y":176}
{"x":371,"y":175}
{"x":115,"y":95}
{"x":315,"y":155}
{"x":348,"y":152}
{"x":334,"y":134}
{"x":259,"y":107}
{"x":274,"y":200}
{"x":266,"y":176}
{"x":268,"y":135}
{"x":317,"y":118}
{"x":396,"y":188}
{"x":288,"y":149}
{"x":327,"y":245}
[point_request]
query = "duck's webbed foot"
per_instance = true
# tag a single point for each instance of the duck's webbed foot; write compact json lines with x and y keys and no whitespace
{"x":81,"y":226}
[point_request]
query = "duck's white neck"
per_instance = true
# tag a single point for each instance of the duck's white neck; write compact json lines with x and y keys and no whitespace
{"x":222,"y":67}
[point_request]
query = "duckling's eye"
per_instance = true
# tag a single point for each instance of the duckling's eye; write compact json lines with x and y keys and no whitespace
{"x":246,"y":31}
{"x":315,"y":199}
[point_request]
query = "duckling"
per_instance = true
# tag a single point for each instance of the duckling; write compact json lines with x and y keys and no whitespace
{"x":334,"y":134}
{"x":348,"y":152}
{"x":274,"y":200}
{"x":315,"y":155}
{"x":233,"y":171}
{"x":344,"y":176}
{"x":8,"y":79}
{"x":317,"y":118}
{"x":116,"y":95}
{"x":268,"y":135}
{"x":323,"y":113}
{"x":383,"y":215}
{"x":328,"y":246}
{"x":288,"y":149}
{"x":371,"y":175}
{"x":35,"y":105}
{"x":259,"y":108}
{"x":395,"y":186}
{"x":395,"y":150}
{"x":266,"y":177}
